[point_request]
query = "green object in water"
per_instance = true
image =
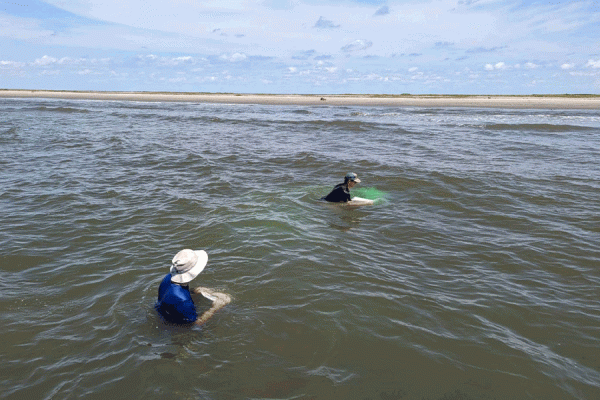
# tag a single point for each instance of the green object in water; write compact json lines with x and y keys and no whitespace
{"x":368,"y":193}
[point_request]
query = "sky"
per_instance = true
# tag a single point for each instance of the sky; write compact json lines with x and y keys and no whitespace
{"x":302,"y":46}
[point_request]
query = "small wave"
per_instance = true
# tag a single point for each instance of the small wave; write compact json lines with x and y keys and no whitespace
{"x":119,"y":115}
{"x":67,"y":110}
{"x":9,"y":134}
{"x":302,"y":112}
{"x":355,"y":126}
{"x":537,"y":127}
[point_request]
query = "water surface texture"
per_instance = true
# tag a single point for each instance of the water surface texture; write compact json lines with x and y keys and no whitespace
{"x":474,"y":276}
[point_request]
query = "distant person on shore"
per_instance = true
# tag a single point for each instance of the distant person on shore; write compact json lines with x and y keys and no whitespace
{"x":175,"y":302}
{"x":341,"y":192}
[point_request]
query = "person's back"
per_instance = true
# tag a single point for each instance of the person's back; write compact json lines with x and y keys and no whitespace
{"x":175,"y":303}
{"x":339,"y":194}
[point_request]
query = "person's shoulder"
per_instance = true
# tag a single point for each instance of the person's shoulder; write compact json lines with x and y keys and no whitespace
{"x":165,"y":281}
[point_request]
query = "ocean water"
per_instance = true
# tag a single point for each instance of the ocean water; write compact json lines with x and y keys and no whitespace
{"x":475,"y":275}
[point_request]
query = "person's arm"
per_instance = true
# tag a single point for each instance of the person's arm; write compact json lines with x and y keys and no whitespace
{"x":219,"y":300}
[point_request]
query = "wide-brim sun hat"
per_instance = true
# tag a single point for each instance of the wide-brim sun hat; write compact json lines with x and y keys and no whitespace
{"x":187,"y":264}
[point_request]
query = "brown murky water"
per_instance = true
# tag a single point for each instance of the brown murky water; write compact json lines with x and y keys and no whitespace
{"x":474,"y":276}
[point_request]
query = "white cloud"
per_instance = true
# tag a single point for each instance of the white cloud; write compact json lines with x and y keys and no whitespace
{"x":530,"y":65}
{"x":331,"y":69}
{"x":567,"y":66}
{"x":45,"y":60}
{"x":499,"y":65}
{"x":413,"y":69}
{"x":593,"y":63}
{"x":586,"y":73}
{"x":357,"y":45}
{"x":12,"y":64}
{"x":175,"y":61}
{"x":234,"y":57}
{"x":292,"y":69}
{"x":182,"y":59}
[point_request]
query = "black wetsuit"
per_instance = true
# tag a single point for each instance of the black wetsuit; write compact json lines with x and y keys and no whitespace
{"x":339,"y":194}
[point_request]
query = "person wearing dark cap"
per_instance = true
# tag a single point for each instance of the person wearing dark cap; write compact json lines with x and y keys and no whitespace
{"x":175,"y":302}
{"x":341,"y":192}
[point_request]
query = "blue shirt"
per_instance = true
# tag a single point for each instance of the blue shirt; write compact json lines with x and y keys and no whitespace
{"x":175,"y":303}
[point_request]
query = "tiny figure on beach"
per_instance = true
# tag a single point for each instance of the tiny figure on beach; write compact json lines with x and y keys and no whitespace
{"x":175,"y":302}
{"x":341,"y":192}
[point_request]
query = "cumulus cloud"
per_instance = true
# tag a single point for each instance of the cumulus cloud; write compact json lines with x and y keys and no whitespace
{"x":292,"y":69}
{"x":357,"y":45}
{"x":567,"y":66}
{"x":531,"y":65}
{"x":234,"y":57}
{"x":45,"y":60}
{"x":331,"y":69}
{"x":383,"y":11}
{"x":323,"y":23}
{"x":413,"y":69}
{"x":593,"y":63}
{"x":498,"y":65}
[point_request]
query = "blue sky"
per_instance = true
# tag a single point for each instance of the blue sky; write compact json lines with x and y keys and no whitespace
{"x":302,"y":46}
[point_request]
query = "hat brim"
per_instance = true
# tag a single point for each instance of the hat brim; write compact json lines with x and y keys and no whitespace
{"x":193,"y":272}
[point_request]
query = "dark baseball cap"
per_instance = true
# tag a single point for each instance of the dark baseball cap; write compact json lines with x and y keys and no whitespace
{"x":351,"y":176}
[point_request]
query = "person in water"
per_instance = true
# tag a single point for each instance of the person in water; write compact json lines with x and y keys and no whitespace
{"x":175,"y":302}
{"x":341,"y":192}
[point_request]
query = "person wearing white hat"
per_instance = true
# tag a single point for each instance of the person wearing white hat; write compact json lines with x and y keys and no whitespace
{"x":175,"y":302}
{"x":341,"y":192}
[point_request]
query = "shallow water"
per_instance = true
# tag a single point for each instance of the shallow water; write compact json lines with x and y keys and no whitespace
{"x":474,"y":276}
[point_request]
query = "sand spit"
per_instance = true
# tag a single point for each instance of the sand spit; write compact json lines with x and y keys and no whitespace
{"x":525,"y":102}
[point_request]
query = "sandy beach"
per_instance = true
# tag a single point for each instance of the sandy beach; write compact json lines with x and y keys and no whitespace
{"x":533,"y":102}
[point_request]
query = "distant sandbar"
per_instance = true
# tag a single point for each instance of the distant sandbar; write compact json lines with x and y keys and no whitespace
{"x":526,"y":102}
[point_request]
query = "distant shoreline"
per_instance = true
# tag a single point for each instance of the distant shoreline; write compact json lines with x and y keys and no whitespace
{"x":478,"y":101}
